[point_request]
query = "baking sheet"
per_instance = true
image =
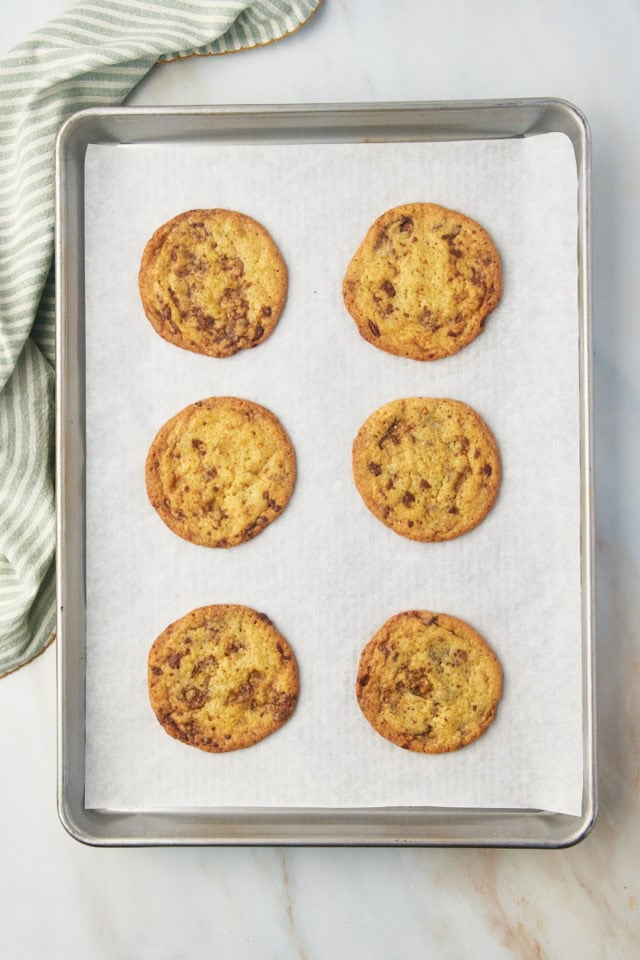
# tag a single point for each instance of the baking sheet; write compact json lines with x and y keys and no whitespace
{"x":327,"y":572}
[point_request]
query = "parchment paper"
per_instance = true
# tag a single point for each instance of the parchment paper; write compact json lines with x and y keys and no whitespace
{"x":327,"y":572}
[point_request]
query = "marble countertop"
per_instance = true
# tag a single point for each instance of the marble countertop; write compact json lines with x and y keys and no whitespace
{"x":59,"y":898}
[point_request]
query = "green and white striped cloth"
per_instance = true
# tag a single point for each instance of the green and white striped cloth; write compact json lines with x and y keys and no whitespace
{"x":92,"y":55}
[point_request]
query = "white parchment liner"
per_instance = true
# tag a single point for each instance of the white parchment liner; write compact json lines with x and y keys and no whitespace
{"x":327,"y":572}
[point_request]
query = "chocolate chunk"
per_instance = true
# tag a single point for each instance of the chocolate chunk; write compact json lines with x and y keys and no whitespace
{"x":232,"y":265}
{"x":375,"y":469}
{"x":266,"y":311}
{"x":204,"y":321}
{"x":276,"y":507}
{"x":388,"y":288}
{"x":408,"y":498}
{"x":234,"y":647}
{"x":252,"y":529}
{"x":194,"y":697}
{"x":419,"y":683}
{"x":245,"y":692}
{"x":207,"y":663}
{"x":375,"y":329}
{"x":487,"y":470}
{"x":282,"y":705}
{"x":390,"y":434}
{"x":381,"y":239}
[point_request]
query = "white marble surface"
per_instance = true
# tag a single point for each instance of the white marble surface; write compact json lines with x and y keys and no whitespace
{"x":60,"y":899}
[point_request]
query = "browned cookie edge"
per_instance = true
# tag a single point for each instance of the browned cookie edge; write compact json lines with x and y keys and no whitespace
{"x":367,"y":326}
{"x":190,"y":621}
{"x":157,"y":495}
{"x":493,"y":483}
{"x":172,"y":333}
{"x":455,"y":626}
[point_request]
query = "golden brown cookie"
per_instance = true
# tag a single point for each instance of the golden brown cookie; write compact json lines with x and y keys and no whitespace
{"x":220,"y":471}
{"x":212,"y":281}
{"x":222,"y":678}
{"x":423,"y":281}
{"x":428,"y":682}
{"x":428,"y":468}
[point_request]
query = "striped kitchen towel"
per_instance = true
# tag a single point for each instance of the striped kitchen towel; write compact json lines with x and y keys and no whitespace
{"x":92,"y":55}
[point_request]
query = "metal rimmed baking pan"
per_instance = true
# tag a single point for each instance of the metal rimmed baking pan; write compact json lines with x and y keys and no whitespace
{"x":282,"y":125}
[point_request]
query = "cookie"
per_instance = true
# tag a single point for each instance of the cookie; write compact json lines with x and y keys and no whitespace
{"x":213,"y":281}
{"x":220,"y":471}
{"x":423,"y":281}
{"x":428,"y":682}
{"x":428,"y":468}
{"x":222,"y":678}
